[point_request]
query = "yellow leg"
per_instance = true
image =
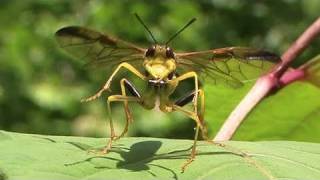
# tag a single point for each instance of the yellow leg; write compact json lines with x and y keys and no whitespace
{"x":113,"y":136}
{"x":129,"y":118}
{"x":198,"y":118}
{"x":196,"y":86}
{"x":204,"y":131}
{"x":108,"y":83}
{"x":190,"y":114}
{"x":193,"y":152}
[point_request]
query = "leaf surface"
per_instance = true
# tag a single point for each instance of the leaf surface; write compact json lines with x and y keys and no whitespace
{"x":28,"y":156}
{"x":290,"y":114}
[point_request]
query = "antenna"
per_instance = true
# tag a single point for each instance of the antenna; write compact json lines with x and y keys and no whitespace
{"x":140,"y":20}
{"x":183,"y":28}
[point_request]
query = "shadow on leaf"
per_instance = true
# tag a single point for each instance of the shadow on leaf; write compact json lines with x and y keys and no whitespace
{"x":136,"y":158}
{"x":140,"y":157}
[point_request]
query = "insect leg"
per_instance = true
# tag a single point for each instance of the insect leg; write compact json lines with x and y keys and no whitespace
{"x":197,"y":117}
{"x":200,"y":115}
{"x":196,"y":86}
{"x":113,"y":136}
{"x":193,"y":151}
{"x":200,"y":125}
{"x":187,"y":99}
{"x":204,"y":131}
{"x":126,"y":85}
{"x":108,"y":83}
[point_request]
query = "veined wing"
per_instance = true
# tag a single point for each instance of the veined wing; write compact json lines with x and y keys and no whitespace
{"x":97,"y":48}
{"x":231,"y":65}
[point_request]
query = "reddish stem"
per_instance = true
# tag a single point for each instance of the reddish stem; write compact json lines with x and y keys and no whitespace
{"x":278,"y":76}
{"x":291,"y":76}
{"x":302,"y":42}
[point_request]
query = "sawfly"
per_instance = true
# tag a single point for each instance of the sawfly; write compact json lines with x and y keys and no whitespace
{"x":162,"y":69}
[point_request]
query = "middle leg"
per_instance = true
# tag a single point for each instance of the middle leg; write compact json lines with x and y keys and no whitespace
{"x":197,"y":116}
{"x":115,"y":98}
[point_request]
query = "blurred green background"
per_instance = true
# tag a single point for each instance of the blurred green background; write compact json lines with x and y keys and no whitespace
{"x":41,"y":86}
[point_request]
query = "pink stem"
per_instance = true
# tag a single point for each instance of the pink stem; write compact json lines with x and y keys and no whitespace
{"x":291,"y":76}
{"x":302,"y":42}
{"x":253,"y":97}
{"x":268,"y":82}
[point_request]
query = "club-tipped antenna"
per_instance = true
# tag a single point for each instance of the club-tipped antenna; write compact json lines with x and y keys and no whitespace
{"x":140,"y":20}
{"x":183,"y":28}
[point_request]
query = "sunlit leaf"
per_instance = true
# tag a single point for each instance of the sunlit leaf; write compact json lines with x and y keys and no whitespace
{"x":51,"y":157}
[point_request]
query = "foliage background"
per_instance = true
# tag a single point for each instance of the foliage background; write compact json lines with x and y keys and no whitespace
{"x":40,"y":86}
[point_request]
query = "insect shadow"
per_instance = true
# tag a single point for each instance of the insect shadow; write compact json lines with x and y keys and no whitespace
{"x":139,"y":156}
{"x":136,"y":158}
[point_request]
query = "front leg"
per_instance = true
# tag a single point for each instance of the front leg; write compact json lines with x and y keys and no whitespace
{"x":185,"y":76}
{"x":108,"y":83}
{"x":198,"y":118}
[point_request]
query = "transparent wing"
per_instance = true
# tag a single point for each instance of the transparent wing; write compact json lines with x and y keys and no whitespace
{"x":231,"y":65}
{"x":96,"y":48}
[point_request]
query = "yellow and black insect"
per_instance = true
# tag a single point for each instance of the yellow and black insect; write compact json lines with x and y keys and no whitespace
{"x":163,"y":69}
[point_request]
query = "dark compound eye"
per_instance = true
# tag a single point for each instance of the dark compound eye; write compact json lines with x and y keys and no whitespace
{"x":170,"y":76}
{"x":169,"y":53}
{"x":150,"y":51}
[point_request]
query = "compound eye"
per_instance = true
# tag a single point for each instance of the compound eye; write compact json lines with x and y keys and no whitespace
{"x":169,"y":53}
{"x":150,"y":51}
{"x":170,"y":76}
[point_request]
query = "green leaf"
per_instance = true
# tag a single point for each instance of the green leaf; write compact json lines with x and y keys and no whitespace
{"x":31,"y":156}
{"x":312,"y":70}
{"x":290,"y":114}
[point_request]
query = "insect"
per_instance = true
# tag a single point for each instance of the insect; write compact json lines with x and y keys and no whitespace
{"x":163,"y":70}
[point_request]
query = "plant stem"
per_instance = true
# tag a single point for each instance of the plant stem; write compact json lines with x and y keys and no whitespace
{"x":278,"y":76}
